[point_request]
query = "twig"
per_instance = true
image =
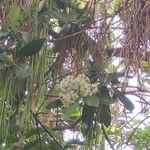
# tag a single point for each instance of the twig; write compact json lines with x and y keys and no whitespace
{"x":136,"y":129}
{"x":136,"y":115}
{"x":107,"y":138}
{"x":38,"y":121}
{"x":38,"y":131}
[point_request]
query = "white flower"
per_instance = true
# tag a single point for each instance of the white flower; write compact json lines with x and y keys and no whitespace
{"x":73,"y":88}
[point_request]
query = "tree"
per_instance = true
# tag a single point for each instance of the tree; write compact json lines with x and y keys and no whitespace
{"x":57,"y":72}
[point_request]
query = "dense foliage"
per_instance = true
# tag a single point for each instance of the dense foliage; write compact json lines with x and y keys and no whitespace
{"x":66,"y":68}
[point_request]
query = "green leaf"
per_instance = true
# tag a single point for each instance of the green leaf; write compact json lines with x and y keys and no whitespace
{"x":41,"y":4}
{"x":76,"y":113}
{"x":145,"y":64}
{"x":14,"y":15}
{"x":104,"y":96}
{"x":58,"y":46}
{"x":114,"y":81}
{"x":101,"y":6}
{"x":32,"y":144}
{"x":69,"y":110}
{"x":110,"y":68}
{"x":64,"y":1}
{"x":7,"y":59}
{"x":23,"y":70}
{"x":113,"y":77}
{"x":53,"y":145}
{"x":93,"y":71}
{"x":62,"y":4}
{"x":63,"y":17}
{"x":115,"y":4}
{"x":70,"y":143}
{"x":26,"y":36}
{"x":104,"y":115}
{"x":54,"y":104}
{"x":32,"y":47}
{"x":2,"y":65}
{"x":3,"y":34}
{"x":33,"y":132}
{"x":82,"y":5}
{"x":124,"y":100}
{"x":64,"y":29}
{"x":88,"y":114}
{"x":92,"y":101}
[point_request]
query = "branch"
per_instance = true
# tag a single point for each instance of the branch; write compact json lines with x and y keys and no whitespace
{"x":133,"y":89}
{"x":120,"y":52}
{"x":136,"y":116}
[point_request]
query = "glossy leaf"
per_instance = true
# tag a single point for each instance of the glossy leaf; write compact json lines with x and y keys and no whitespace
{"x":23,"y":70}
{"x":92,"y":100}
{"x":104,"y":115}
{"x":110,"y":68}
{"x":64,"y":29}
{"x":72,"y":143}
{"x":61,"y":4}
{"x":3,"y":35}
{"x":2,"y":65}
{"x":122,"y":74}
{"x":33,"y":132}
{"x":113,"y":77}
{"x":124,"y":100}
{"x":53,"y":145}
{"x":7,"y":59}
{"x":87,"y":115}
{"x":76,"y":113}
{"x":114,"y":81}
{"x":69,"y":110}
{"x":62,"y":16}
{"x":26,"y":36}
{"x":58,"y":46}
{"x":104,"y":96}
{"x":54,"y":104}
{"x":93,"y":71}
{"x":32,"y":48}
{"x":31,"y":145}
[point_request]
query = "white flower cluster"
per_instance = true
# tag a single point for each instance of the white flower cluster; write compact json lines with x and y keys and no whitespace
{"x":73,"y":88}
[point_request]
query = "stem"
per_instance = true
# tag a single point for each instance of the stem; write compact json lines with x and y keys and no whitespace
{"x":38,"y":121}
